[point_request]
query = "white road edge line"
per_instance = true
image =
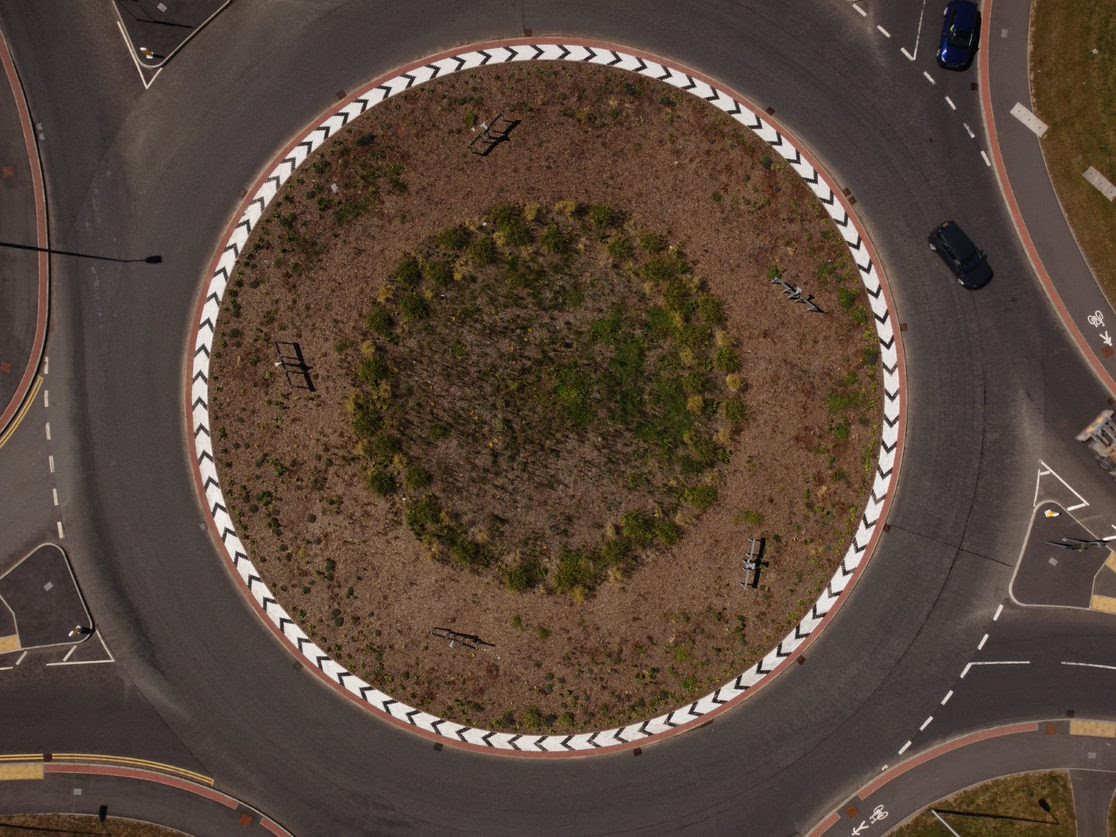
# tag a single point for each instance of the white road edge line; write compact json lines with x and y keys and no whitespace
{"x":904,"y":748}
{"x":128,"y":46}
{"x":987,"y":162}
{"x":999,"y":610}
{"x":1089,"y":665}
{"x":1054,"y":474}
{"x":983,"y":640}
{"x":926,"y":723}
{"x":948,"y":695}
{"x":929,"y":77}
{"x":949,"y":102}
{"x":884,"y":32}
{"x":995,"y":663}
{"x":80,"y":662}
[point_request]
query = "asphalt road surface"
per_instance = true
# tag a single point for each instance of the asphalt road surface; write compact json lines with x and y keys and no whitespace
{"x":994,"y":387}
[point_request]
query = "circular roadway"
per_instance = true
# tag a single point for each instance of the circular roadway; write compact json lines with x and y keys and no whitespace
{"x":993,"y":386}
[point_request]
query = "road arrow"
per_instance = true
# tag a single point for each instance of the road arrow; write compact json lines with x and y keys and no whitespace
{"x":856,"y":831}
{"x":1105,"y":338}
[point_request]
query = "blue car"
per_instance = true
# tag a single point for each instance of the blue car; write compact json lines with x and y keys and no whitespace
{"x":960,"y":35}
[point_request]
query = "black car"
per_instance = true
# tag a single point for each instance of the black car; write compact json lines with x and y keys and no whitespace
{"x":957,"y":250}
{"x":960,"y":35}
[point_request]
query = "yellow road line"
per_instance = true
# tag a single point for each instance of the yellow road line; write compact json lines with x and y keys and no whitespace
{"x":13,"y":772}
{"x":143,"y":764}
{"x":9,"y":644}
{"x":22,"y":413}
{"x":1095,"y":729}
{"x":1105,"y":604}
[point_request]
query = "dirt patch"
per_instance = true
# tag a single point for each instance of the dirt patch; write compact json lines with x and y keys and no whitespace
{"x":53,"y":825}
{"x":343,"y":561}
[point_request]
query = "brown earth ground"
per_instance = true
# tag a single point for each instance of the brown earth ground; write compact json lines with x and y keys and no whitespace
{"x":682,"y":623}
{"x":55,"y":825}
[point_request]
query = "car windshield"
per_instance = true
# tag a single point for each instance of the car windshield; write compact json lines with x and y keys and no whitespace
{"x":959,"y":38}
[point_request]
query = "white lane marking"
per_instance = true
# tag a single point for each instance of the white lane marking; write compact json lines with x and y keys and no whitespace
{"x":48,"y":431}
{"x":907,"y":54}
{"x":862,"y":12}
{"x":1051,"y":471}
{"x":21,"y":656}
{"x":996,"y":663}
{"x":918,"y":34}
{"x":969,"y":130}
{"x":1089,"y":665}
{"x":929,"y":77}
{"x":46,"y":364}
{"x":1033,"y":123}
{"x":904,"y":748}
{"x":55,"y":492}
{"x":73,"y":648}
{"x":46,"y":397}
{"x":884,"y":32}
{"x":949,"y":102}
{"x":926,"y":723}
{"x":948,"y":695}
{"x":79,"y":662}
{"x":127,"y":45}
{"x":999,"y":610}
{"x":61,"y":535}
{"x":983,"y":640}
{"x":987,"y":162}
{"x":50,"y":461}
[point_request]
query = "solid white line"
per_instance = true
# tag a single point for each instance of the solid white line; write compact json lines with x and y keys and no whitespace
{"x":918,"y":33}
{"x":48,"y":431}
{"x":46,"y":397}
{"x":21,"y":656}
{"x":73,"y":648}
{"x":949,"y":102}
{"x":907,"y":54}
{"x":50,"y":460}
{"x":61,"y":536}
{"x":996,"y":663}
{"x":862,"y":12}
{"x":128,"y":46}
{"x":80,"y":662}
{"x":926,"y":723}
{"x":1053,"y":473}
{"x":929,"y":77}
{"x":983,"y":640}
{"x":968,"y":130}
{"x":1075,"y":508}
{"x":999,"y":610}
{"x":987,"y":162}
{"x":1089,"y":665}
{"x":948,"y":695}
{"x":884,"y":32}
{"x":55,"y":492}
{"x":1045,"y":472}
{"x":903,"y":749}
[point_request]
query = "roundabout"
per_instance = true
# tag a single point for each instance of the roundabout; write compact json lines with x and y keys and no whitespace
{"x":882,"y":468}
{"x":923,"y":650}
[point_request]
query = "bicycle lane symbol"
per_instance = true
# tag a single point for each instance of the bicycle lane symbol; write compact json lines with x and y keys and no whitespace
{"x":1096,"y":320}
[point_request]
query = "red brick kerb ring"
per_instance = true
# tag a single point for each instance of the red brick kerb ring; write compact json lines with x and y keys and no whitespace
{"x":383,"y":705}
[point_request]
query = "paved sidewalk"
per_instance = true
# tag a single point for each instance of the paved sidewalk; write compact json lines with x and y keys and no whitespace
{"x":23,"y":273}
{"x":1068,"y":279}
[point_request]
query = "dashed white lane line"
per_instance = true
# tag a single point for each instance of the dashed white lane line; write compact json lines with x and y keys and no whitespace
{"x":929,"y":77}
{"x":949,"y":102}
{"x":21,"y":658}
{"x":862,"y":12}
{"x":1089,"y":665}
{"x":46,"y":364}
{"x":73,"y":648}
{"x":46,"y":397}
{"x":968,"y":130}
{"x":884,"y":32}
{"x":48,"y":431}
{"x":926,"y":723}
{"x":908,"y":56}
{"x":983,"y":640}
{"x":50,"y":461}
{"x":999,"y":610}
{"x":995,"y":663}
{"x":948,"y":695}
{"x":905,"y":747}
{"x":61,"y":535}
{"x":987,"y":162}
{"x":55,"y":492}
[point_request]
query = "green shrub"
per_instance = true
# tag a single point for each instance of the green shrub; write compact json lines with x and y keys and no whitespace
{"x":525,"y":575}
{"x":408,"y":273}
{"x":620,"y":249}
{"x":379,"y":321}
{"x":414,"y":307}
{"x":439,"y":272}
{"x":701,"y":497}
{"x":553,"y":240}
{"x":727,"y":359}
{"x":638,"y":527}
{"x":455,"y":239}
{"x":381,"y":481}
{"x":367,"y":421}
{"x":424,"y":516}
{"x":652,"y":243}
{"x":374,"y":369}
{"x":574,"y":572}
{"x":416,"y":477}
{"x":482,"y":250}
{"x":605,"y":217}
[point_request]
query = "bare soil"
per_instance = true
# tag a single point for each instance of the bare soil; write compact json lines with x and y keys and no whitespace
{"x":343,"y":561}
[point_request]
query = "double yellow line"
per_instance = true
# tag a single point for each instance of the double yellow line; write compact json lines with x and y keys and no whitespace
{"x":14,"y":426}
{"x":37,"y":761}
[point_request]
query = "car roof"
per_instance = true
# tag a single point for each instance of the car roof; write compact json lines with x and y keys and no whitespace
{"x":955,"y":237}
